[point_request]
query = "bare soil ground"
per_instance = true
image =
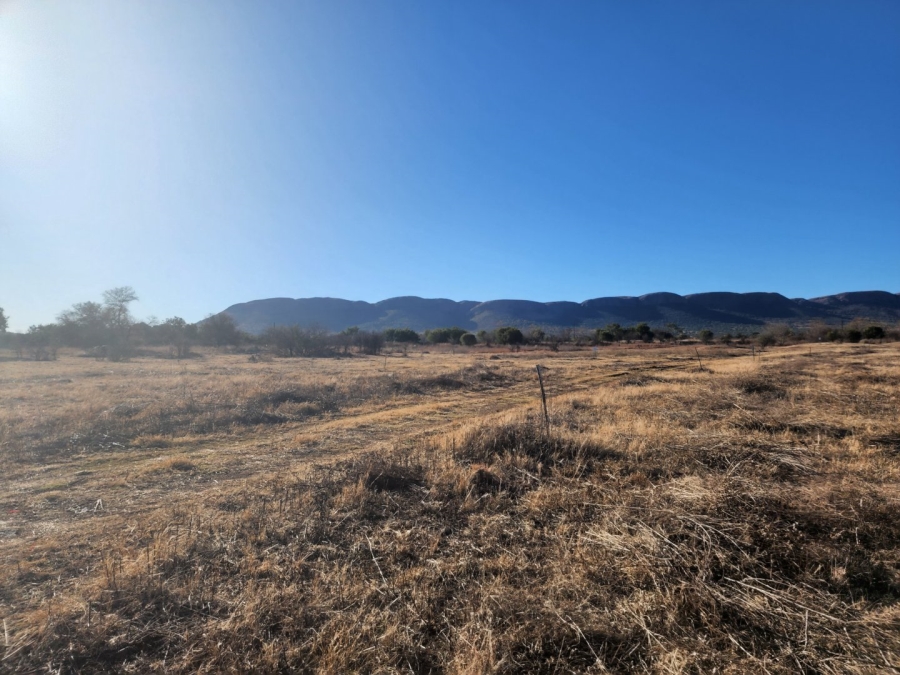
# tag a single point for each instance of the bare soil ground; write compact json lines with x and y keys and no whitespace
{"x":415,"y":514}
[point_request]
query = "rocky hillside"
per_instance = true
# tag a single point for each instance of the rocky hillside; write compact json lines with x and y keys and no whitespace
{"x":734,"y":312}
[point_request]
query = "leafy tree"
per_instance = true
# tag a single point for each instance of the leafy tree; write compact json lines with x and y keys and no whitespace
{"x":705,"y":336}
{"x":604,"y":335}
{"x":873,"y":333}
{"x":468,"y":339}
{"x":766,"y":340}
{"x":615,"y":330}
{"x":407,"y":335}
{"x":3,"y":321}
{"x":644,"y":332}
{"x":219,"y":330}
{"x":484,"y":337}
{"x":508,"y":335}
{"x":854,"y":335}
{"x":444,"y":335}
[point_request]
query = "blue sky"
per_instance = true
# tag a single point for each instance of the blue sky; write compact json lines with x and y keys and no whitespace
{"x":213,"y":152}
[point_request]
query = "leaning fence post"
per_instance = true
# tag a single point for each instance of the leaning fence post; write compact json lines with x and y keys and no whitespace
{"x":543,"y":397}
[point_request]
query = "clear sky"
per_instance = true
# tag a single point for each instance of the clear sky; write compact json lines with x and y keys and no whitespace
{"x":212,"y":152}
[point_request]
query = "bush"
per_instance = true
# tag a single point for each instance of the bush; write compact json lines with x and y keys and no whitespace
{"x":401,"y":335}
{"x":706,"y":336}
{"x":444,"y":335}
{"x":369,"y":343}
{"x":509,"y":336}
{"x":468,"y":340}
{"x":536,"y":336}
{"x":296,"y":341}
{"x":765,"y":340}
{"x":854,"y":335}
{"x":873,"y":333}
{"x":645,"y":334}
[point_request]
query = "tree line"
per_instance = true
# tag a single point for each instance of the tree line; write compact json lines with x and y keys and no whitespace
{"x":108,"y":330}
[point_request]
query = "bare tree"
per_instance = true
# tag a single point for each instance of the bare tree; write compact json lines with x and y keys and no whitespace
{"x":115,"y":305}
{"x":116,"y":301}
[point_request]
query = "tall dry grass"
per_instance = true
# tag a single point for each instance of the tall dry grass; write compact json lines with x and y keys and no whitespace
{"x":669,"y":521}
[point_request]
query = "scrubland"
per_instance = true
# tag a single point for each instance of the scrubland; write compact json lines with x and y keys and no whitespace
{"x":417,"y":513}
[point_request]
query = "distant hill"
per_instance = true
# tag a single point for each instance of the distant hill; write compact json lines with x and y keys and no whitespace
{"x":732,"y":312}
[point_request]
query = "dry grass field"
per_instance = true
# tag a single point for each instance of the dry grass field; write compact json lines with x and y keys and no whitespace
{"x":414,"y":514}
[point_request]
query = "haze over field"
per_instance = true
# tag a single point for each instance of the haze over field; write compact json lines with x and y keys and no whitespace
{"x":210,"y":153}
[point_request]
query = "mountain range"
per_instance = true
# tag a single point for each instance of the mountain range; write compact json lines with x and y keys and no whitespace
{"x":720,"y":312}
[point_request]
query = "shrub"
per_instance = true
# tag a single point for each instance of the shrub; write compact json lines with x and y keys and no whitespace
{"x":644,"y":332}
{"x":401,"y":335}
{"x":765,"y":340}
{"x":536,"y":336}
{"x":468,"y":339}
{"x":706,"y":336}
{"x":854,"y":335}
{"x":509,"y":335}
{"x":873,"y":333}
{"x":444,"y":335}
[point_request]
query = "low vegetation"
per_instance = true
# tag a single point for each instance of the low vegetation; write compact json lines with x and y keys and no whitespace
{"x":108,"y":331}
{"x":421,"y":515}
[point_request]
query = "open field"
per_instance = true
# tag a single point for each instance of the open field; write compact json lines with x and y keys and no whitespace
{"x":413,"y":514}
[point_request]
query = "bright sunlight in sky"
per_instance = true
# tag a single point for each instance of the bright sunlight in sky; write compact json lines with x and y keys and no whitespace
{"x":213,"y":152}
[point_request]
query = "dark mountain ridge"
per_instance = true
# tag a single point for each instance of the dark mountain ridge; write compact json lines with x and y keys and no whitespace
{"x":720,"y":311}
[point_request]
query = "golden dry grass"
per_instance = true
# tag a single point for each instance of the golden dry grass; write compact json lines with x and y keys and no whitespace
{"x":413,"y":514}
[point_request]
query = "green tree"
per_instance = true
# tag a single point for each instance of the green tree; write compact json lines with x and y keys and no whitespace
{"x":873,"y":333}
{"x":615,"y":330}
{"x":706,"y":336}
{"x":468,"y":340}
{"x":407,"y":335}
{"x":444,"y":335}
{"x":644,"y":332}
{"x":4,"y":322}
{"x":508,"y":335}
